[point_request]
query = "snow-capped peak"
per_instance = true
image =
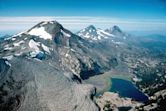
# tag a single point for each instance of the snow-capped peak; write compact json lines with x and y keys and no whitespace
{"x":46,"y":30}
{"x":31,"y":43}
{"x":93,"y":33}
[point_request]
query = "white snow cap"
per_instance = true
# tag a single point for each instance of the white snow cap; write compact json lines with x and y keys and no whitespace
{"x":40,"y":31}
{"x":94,"y":34}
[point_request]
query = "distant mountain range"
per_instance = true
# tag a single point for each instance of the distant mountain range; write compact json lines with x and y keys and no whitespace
{"x":45,"y":67}
{"x":93,"y":33}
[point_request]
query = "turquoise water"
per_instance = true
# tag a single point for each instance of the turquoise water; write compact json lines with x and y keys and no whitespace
{"x":126,"y":89}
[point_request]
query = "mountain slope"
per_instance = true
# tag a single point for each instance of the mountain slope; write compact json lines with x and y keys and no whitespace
{"x":39,"y":72}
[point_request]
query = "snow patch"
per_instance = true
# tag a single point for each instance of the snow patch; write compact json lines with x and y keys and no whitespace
{"x":8,"y":57}
{"x":51,"y":22}
{"x":79,"y":34}
{"x":7,"y":63}
{"x":45,"y":48}
{"x":25,"y":38}
{"x":165,"y":76}
{"x":67,"y":54}
{"x":36,"y":53}
{"x":40,"y":32}
{"x":45,"y":23}
{"x":13,"y":38}
{"x":34,"y":45}
{"x":73,"y":50}
{"x":8,"y":38}
{"x":119,"y":43}
{"x":18,"y":54}
{"x":23,"y":48}
{"x":8,"y":48}
{"x":106,"y":33}
{"x":33,"y":54}
{"x":65,"y":34}
{"x":18,"y":43}
{"x":90,"y":30}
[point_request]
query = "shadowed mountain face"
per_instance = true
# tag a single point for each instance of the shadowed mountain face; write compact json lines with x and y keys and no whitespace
{"x":114,"y":30}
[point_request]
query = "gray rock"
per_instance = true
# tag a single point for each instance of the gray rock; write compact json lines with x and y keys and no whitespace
{"x":29,"y":83}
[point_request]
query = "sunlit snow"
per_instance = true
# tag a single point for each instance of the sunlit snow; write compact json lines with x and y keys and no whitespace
{"x":40,"y":32}
{"x":45,"y":48}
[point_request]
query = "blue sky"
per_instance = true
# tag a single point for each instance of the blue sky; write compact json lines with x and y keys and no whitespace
{"x":115,"y":8}
{"x":131,"y":15}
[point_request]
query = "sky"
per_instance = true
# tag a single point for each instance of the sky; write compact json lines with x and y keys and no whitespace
{"x":131,"y":15}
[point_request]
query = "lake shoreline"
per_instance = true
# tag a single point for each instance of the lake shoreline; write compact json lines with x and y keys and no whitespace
{"x":127,"y":89}
{"x":103,"y":82}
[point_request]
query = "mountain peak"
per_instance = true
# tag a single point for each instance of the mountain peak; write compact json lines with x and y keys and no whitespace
{"x":116,"y":28}
{"x":45,"y":29}
{"x":91,"y":27}
{"x":36,"y":42}
{"x":93,"y":33}
{"x":49,"y":26}
{"x":113,"y":30}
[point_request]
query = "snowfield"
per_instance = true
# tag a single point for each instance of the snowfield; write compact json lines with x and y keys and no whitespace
{"x":40,"y":32}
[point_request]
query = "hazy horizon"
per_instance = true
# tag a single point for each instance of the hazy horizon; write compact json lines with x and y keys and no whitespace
{"x":139,"y":16}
